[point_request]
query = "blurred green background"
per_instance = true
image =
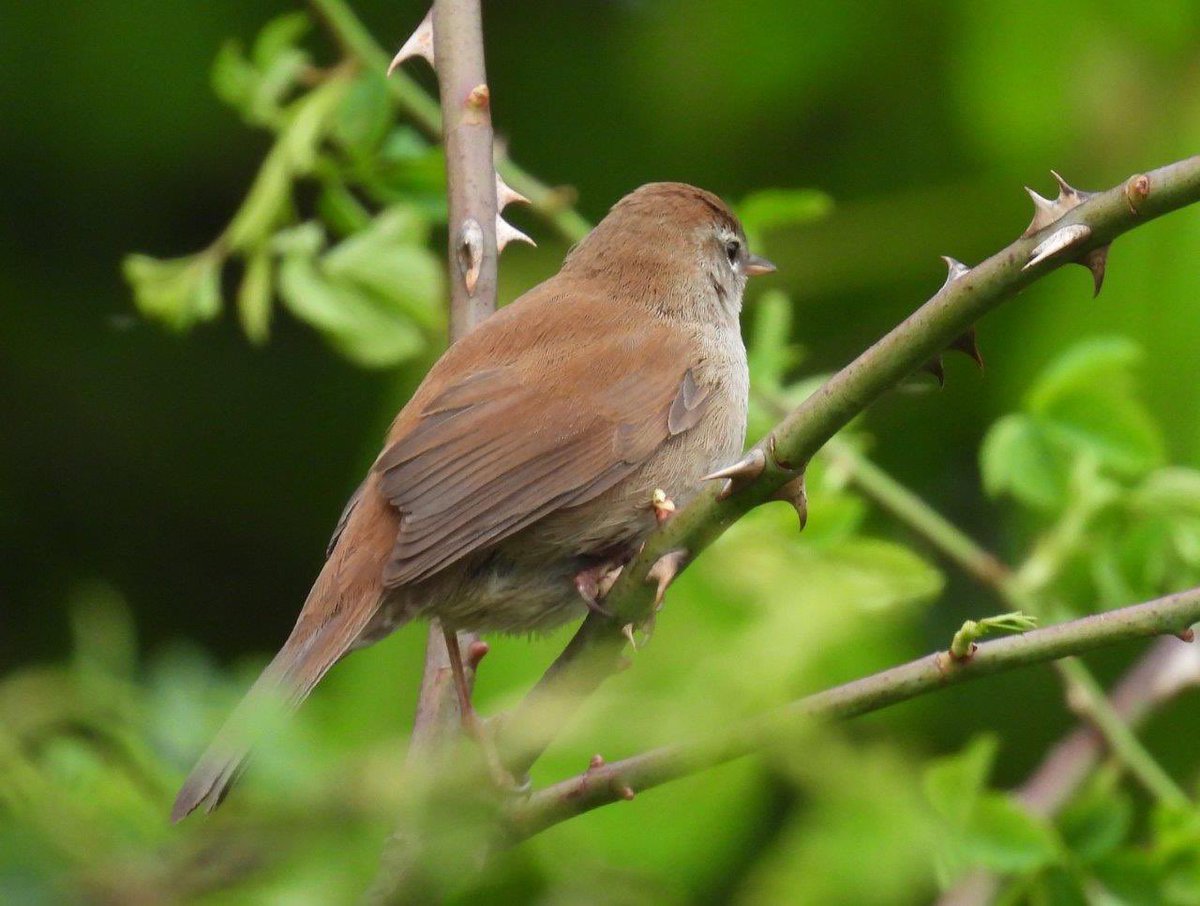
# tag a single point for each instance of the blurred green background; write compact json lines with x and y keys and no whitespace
{"x":165,"y":498}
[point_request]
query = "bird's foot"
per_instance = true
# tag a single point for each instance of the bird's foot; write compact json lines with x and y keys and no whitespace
{"x":594,"y":582}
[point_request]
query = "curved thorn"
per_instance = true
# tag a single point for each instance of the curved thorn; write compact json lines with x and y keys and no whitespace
{"x":746,"y":469}
{"x":506,"y":233}
{"x":1059,"y":240}
{"x":795,"y":493}
{"x":968,"y":344}
{"x":419,"y":44}
{"x":1065,"y":189}
{"x":954,"y":270}
{"x":664,"y":571}
{"x":1095,"y":261}
{"x":506,"y":195}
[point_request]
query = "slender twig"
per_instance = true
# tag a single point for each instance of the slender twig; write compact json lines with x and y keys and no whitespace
{"x":471,"y":195}
{"x":605,"y":783}
{"x":592,"y":653}
{"x":1084,"y":694}
{"x":551,"y":203}
{"x":472,"y":254}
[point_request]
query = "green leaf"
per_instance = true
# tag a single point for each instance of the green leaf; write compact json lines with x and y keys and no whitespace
{"x":234,"y":79}
{"x":877,"y":575}
{"x":1017,"y":458}
{"x":1003,"y":837}
{"x":1099,"y":364}
{"x":953,"y":783}
{"x":1170,"y":491}
{"x":365,"y":115}
{"x":279,"y":36}
{"x":1118,"y":431}
{"x":176,"y":291}
{"x":254,"y":297}
{"x":1095,"y":824}
{"x":340,"y":210}
{"x":347,"y":315}
{"x":293,"y":154}
{"x":772,"y":209}
{"x":390,"y":260}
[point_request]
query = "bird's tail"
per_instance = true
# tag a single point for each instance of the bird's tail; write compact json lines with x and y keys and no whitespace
{"x":341,"y":605}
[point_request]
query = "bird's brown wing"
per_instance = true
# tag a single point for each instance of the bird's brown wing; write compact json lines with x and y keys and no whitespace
{"x":497,"y":449}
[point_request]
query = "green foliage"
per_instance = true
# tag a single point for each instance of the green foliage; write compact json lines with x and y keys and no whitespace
{"x":336,"y":227}
{"x":1085,"y":456}
{"x":376,"y":295}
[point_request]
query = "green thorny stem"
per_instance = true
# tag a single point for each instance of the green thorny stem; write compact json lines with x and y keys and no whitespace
{"x":593,"y":652}
{"x":1084,"y":694}
{"x":604,"y":783}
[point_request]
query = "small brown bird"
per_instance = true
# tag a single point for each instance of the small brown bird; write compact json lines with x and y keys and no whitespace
{"x":525,"y":467}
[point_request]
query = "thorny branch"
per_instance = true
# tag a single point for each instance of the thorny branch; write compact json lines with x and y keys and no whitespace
{"x":1083,"y":691}
{"x":453,"y":35}
{"x":1087,"y":224}
{"x":1074,"y":237}
{"x":604,"y":783}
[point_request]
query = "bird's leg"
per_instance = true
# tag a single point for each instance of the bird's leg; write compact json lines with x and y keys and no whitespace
{"x":471,"y":723}
{"x":588,"y":581}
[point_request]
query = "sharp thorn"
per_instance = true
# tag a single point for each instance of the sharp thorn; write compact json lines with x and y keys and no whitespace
{"x":1044,"y":213}
{"x":419,"y":44}
{"x":1065,"y":189}
{"x":664,"y":571}
{"x":506,"y":195}
{"x":1095,"y":261}
{"x":597,"y":761}
{"x":954,"y":270}
{"x":470,"y":252}
{"x":506,"y":233}
{"x":795,"y":493}
{"x":934,"y":366}
{"x":1059,"y":240}
{"x":746,"y":469}
{"x":968,"y":343}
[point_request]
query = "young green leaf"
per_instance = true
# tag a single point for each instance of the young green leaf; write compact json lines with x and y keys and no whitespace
{"x":1017,"y":458}
{"x":177,"y":291}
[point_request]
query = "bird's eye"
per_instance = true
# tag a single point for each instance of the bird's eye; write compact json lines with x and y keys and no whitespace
{"x":732,"y":248}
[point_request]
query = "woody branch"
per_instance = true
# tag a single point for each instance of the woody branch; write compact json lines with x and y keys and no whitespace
{"x":604,"y":783}
{"x":1074,"y":227}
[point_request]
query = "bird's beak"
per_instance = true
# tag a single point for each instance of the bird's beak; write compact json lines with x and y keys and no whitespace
{"x":757,"y":264}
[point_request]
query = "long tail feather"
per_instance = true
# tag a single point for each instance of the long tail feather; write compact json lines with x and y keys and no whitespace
{"x":341,"y":606}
